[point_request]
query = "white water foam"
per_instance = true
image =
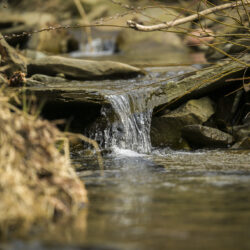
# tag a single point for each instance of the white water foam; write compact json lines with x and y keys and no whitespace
{"x":132,"y":130}
{"x":126,"y":152}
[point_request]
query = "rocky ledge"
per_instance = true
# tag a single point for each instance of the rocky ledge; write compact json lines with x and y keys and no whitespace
{"x":81,"y":69}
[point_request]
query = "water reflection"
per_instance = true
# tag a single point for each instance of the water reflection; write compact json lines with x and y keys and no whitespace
{"x":172,"y":200}
{"x":166,"y":200}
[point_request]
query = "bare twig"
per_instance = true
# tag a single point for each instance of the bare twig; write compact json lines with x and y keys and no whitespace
{"x":191,"y":18}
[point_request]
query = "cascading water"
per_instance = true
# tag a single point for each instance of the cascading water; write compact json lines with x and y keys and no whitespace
{"x":128,"y":117}
{"x":127,"y":120}
{"x":132,"y":130}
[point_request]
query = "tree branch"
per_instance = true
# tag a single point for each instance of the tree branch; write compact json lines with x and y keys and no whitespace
{"x":177,"y":22}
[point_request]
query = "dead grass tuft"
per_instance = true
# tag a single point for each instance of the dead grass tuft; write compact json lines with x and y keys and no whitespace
{"x":37,"y":183}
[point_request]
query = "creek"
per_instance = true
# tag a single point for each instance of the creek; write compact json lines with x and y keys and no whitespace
{"x":151,"y":198}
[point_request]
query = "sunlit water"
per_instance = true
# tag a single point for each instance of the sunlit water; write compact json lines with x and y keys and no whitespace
{"x":170,"y":200}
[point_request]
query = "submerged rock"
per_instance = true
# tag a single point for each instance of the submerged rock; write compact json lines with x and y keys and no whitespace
{"x":166,"y":130}
{"x":202,"y":136}
{"x":81,"y":69}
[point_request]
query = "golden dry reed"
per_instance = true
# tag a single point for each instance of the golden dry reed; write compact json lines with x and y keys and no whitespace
{"x":37,"y":184}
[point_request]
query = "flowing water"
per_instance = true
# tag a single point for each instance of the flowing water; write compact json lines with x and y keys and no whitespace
{"x":129,"y":127}
{"x":132,"y":131}
{"x":149,"y":198}
{"x":169,"y":200}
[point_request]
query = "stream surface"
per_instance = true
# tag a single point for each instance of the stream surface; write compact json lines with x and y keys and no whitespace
{"x":169,"y":200}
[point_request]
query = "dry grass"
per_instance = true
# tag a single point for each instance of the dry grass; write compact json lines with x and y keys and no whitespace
{"x":37,"y":183}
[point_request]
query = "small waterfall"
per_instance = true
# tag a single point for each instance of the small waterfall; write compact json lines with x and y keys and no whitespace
{"x":132,"y":128}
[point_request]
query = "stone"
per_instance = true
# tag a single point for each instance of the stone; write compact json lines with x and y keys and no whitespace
{"x":47,"y":79}
{"x":81,"y":69}
{"x":33,"y":83}
{"x":197,"y":84}
{"x":166,"y":130}
{"x":202,"y":136}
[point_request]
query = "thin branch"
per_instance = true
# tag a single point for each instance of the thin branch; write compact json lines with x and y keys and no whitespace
{"x":191,"y":18}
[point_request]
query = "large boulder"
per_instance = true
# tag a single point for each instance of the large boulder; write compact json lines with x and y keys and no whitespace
{"x":81,"y":69}
{"x":203,"y":136}
{"x":166,"y":129}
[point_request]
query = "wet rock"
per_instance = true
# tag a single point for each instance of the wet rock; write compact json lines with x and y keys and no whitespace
{"x":48,"y":79}
{"x":11,"y":59}
{"x":200,"y":83}
{"x":166,"y":130}
{"x":81,"y":69}
{"x":202,"y":136}
{"x":33,"y":83}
